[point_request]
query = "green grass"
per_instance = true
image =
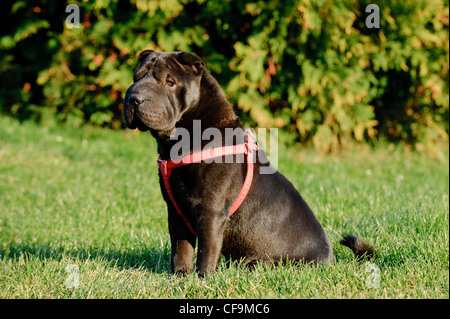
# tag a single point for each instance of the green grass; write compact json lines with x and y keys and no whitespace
{"x":91,"y":198}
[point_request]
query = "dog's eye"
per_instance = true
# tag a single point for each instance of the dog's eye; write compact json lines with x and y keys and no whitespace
{"x":170,"y":82}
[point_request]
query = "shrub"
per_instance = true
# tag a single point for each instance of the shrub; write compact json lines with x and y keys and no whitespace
{"x":310,"y":67}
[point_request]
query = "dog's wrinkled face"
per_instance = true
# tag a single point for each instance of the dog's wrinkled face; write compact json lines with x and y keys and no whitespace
{"x":165,"y":86}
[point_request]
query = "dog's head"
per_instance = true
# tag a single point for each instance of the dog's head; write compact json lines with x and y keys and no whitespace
{"x":165,"y":86}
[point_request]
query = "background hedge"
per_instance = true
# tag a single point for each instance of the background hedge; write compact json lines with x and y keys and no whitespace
{"x":310,"y":67}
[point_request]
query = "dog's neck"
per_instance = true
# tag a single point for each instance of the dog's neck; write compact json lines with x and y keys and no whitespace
{"x":213,"y":109}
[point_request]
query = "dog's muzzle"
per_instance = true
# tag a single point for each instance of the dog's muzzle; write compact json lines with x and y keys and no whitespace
{"x":131,"y":104}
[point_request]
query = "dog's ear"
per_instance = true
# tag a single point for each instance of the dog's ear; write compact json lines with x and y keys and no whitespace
{"x":141,"y":55}
{"x":191,"y":60}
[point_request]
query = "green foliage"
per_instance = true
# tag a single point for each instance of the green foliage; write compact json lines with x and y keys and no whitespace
{"x":311,"y":67}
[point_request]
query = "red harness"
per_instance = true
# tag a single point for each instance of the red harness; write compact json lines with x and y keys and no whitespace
{"x":246,"y":148}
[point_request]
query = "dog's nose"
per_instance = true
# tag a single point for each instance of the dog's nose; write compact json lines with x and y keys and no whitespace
{"x":135,"y":99}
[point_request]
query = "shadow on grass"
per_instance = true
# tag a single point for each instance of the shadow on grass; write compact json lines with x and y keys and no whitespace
{"x":153,"y":259}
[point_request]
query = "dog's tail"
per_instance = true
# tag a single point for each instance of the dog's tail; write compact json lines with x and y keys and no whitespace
{"x":359,"y":247}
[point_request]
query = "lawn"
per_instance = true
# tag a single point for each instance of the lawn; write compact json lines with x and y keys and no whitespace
{"x":81,"y":216}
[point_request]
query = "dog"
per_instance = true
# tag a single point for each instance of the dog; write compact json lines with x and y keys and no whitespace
{"x":272,"y":223}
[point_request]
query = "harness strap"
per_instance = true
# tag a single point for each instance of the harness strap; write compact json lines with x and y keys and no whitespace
{"x":246,"y":148}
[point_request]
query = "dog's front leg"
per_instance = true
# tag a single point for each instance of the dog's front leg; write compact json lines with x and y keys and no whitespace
{"x":183,"y":244}
{"x":211,"y":228}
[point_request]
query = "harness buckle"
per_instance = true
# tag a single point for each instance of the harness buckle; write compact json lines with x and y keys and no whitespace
{"x":252,"y":143}
{"x":162,"y":166}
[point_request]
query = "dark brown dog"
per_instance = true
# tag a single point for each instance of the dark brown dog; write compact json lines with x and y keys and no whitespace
{"x":274,"y":223}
